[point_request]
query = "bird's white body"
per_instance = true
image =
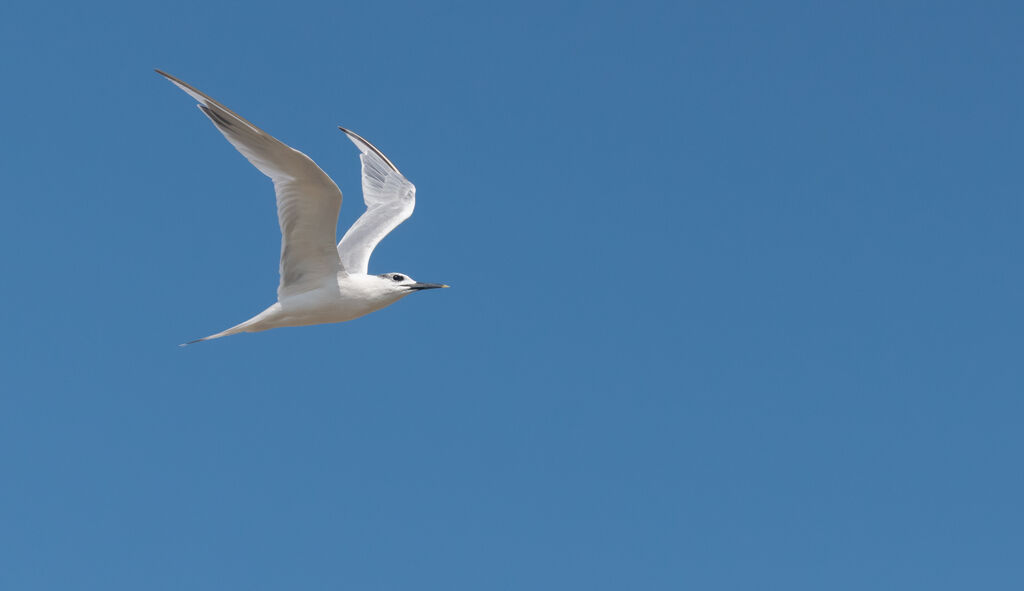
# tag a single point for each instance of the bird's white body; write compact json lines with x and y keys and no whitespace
{"x":320,"y":282}
{"x":346,"y":298}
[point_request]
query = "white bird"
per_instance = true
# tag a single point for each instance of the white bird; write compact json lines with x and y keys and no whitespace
{"x":320,"y":282}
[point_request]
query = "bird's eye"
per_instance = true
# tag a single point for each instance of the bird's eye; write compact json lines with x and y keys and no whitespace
{"x":398,"y":278}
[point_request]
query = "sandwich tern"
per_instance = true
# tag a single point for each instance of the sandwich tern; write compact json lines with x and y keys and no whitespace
{"x":320,"y":282}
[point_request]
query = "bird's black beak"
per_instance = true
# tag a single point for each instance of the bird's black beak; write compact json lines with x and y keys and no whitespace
{"x":419,"y":286}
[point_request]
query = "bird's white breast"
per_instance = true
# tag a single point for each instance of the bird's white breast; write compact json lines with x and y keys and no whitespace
{"x":350,"y":297}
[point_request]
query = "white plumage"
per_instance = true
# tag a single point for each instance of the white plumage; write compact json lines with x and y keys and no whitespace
{"x":320,"y":282}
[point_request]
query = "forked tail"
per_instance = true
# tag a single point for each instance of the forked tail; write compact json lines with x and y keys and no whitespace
{"x":246,"y":326}
{"x":261,"y":321}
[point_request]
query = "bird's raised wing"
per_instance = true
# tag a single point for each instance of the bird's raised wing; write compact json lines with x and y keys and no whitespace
{"x":390,"y":199}
{"x":308,"y":201}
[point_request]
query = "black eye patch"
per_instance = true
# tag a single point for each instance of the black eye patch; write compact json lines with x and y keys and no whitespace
{"x":398,"y":278}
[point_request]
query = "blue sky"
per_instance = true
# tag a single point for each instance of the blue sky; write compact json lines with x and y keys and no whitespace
{"x":736,"y":299}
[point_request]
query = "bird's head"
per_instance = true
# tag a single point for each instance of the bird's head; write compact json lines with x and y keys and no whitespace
{"x":402,"y":284}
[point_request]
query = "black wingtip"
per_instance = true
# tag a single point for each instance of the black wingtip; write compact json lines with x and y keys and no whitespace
{"x":216,"y":117}
{"x":355,"y":135}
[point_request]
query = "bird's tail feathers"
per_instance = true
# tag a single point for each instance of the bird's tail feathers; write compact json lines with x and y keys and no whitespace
{"x":243,"y":327}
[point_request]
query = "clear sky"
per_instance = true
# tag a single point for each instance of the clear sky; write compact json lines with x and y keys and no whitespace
{"x":736,"y":299}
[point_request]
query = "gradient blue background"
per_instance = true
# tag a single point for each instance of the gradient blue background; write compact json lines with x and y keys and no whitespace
{"x":736,"y":299}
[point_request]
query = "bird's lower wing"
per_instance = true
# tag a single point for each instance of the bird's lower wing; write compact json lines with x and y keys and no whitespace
{"x":390,"y":199}
{"x":308,"y":200}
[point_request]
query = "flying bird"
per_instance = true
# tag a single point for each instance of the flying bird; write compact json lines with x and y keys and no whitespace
{"x":320,"y":282}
